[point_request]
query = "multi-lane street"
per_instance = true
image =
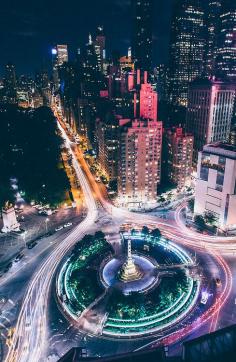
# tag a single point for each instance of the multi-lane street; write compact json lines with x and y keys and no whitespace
{"x":31,"y":330}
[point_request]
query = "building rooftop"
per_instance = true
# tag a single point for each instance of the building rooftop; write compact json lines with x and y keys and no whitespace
{"x":209,"y":82}
{"x":221,"y":149}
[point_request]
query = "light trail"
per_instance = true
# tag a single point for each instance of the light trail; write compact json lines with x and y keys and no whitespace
{"x":30,"y":337}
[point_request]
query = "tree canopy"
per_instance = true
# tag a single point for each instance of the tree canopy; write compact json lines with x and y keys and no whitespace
{"x":30,"y":153}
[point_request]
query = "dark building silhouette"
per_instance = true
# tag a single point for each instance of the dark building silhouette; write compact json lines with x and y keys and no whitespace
{"x":10,"y":83}
{"x":142,"y":11}
{"x":226,"y":52}
{"x":212,"y":20}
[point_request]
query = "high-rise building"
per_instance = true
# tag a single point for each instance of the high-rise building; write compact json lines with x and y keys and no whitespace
{"x":215,"y":185}
{"x":126,"y":64}
{"x":10,"y":83}
{"x":142,"y":34}
{"x":91,"y":77}
{"x":62,"y":54}
{"x":161,"y":73}
{"x":179,"y":156}
{"x":212,"y":19}
{"x":100,"y":47}
{"x":139,"y":161}
{"x":69,"y":91}
{"x":186,"y":47}
{"x":226,"y":53}
{"x":107,"y":130}
{"x":209,"y":112}
{"x":59,"y":57}
{"x":148,"y":102}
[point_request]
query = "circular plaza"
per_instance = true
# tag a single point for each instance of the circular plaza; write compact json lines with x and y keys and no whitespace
{"x":149,"y":288}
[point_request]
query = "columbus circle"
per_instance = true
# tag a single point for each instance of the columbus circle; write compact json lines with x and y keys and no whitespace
{"x":151,"y":286}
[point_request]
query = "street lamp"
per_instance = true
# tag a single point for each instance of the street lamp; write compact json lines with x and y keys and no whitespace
{"x":24,"y":237}
{"x":46,"y":224}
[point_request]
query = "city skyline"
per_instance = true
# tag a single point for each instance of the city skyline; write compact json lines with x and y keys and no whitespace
{"x":118,"y":181}
{"x":30,"y":30}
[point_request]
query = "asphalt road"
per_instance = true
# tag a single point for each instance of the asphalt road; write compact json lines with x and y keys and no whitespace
{"x":28,"y":287}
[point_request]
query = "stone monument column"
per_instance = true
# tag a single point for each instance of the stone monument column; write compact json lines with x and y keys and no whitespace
{"x":10,"y":222}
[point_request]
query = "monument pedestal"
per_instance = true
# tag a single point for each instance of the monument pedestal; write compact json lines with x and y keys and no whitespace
{"x":10,"y":222}
{"x":129,"y":271}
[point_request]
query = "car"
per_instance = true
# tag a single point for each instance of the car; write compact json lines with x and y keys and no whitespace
{"x":59,"y":228}
{"x":204,"y":298}
{"x":7,"y":267}
{"x":67,"y":224}
{"x":31,"y":245}
{"x":19,"y":257}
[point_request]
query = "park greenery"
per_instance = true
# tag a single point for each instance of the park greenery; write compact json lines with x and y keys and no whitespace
{"x":140,"y":305}
{"x":30,"y":155}
{"x":83,"y":281}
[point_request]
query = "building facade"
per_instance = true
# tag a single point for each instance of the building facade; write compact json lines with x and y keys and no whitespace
{"x":59,"y":57}
{"x":148,"y":102}
{"x":142,"y":34}
{"x":209,"y":112}
{"x":62,"y":54}
{"x":108,"y":145}
{"x":212,"y":20}
{"x":139,"y":161}
{"x":216,"y":184}
{"x":226,"y":53}
{"x":10,"y":85}
{"x":186,"y":47}
{"x":100,"y":47}
{"x":180,"y":156}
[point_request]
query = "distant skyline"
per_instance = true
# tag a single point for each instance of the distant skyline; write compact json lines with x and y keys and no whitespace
{"x":29,"y":29}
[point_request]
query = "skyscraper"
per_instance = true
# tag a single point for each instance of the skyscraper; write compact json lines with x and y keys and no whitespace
{"x":139,"y":161}
{"x":179,"y":156}
{"x":142,"y":33}
{"x":212,"y":19}
{"x":10,"y":83}
{"x":148,"y":102}
{"x":186,"y":47}
{"x":100,"y":47}
{"x":209,"y":113}
{"x":226,"y":53}
{"x":108,"y":144}
{"x":62,"y":54}
{"x":59,"y":57}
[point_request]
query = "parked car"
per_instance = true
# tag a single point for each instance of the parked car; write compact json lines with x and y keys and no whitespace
{"x":67,"y":224}
{"x":59,"y":228}
{"x":31,"y":244}
{"x":19,"y":257}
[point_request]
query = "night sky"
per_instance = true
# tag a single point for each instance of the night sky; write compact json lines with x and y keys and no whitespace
{"x":28,"y":29}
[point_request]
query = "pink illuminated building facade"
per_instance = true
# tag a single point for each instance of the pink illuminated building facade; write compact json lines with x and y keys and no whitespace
{"x":148,"y":102}
{"x":140,"y":145}
{"x":139,"y":161}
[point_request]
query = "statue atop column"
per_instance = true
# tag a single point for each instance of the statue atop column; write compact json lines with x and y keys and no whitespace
{"x":129,"y":270}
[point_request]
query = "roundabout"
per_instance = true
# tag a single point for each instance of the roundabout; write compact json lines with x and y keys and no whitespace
{"x":148,"y":289}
